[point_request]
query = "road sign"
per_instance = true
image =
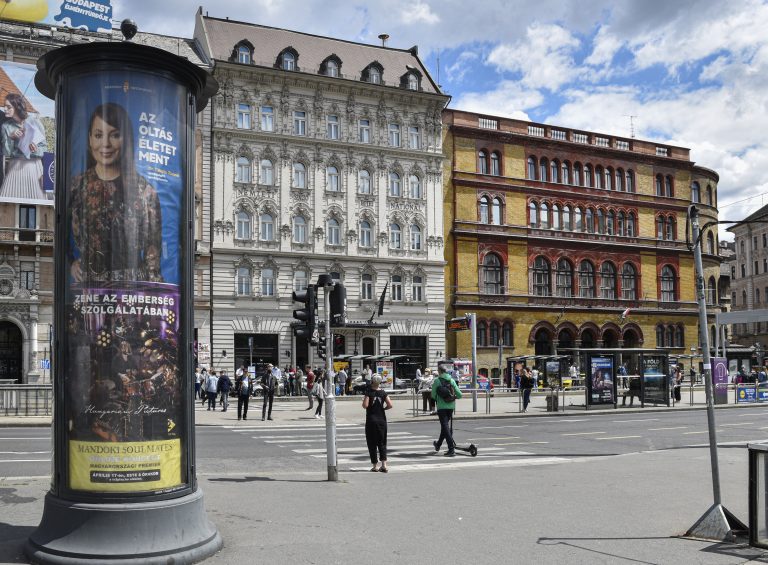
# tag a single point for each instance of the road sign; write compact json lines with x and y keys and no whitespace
{"x":45,"y":364}
{"x":458,"y":324}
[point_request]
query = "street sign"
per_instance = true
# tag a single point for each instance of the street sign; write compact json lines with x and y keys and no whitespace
{"x":45,"y":364}
{"x":458,"y":324}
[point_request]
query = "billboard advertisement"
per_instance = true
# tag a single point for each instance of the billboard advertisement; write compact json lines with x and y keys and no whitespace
{"x":124,"y":211}
{"x":27,"y":138}
{"x":720,"y":379}
{"x":90,"y":15}
{"x":600,"y":382}
{"x":655,"y":381}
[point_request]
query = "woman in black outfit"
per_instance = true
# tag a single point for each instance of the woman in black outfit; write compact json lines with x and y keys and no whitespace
{"x":375,"y":402}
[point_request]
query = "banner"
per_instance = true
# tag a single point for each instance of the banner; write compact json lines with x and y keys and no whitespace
{"x":89,"y":15}
{"x":600,"y":382}
{"x":746,"y":394}
{"x":124,"y":211}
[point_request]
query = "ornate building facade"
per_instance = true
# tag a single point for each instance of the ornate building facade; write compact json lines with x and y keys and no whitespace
{"x":561,"y":239}
{"x":327,"y":158}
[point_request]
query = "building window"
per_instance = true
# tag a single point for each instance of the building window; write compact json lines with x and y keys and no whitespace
{"x":670,"y":232}
{"x":289,"y":61}
{"x":365,"y":234}
{"x":366,"y":287}
{"x":610,"y":222}
{"x":332,"y":123}
{"x":300,"y":280}
{"x":492,"y":274}
{"x":494,"y":333}
{"x":396,"y":288}
{"x":531,"y":170}
{"x":695,"y":192}
{"x":608,"y":281}
{"x":267,"y":118}
{"x":629,"y":181}
{"x":541,"y":277}
{"x":564,"y":279}
{"x":243,"y":281}
{"x":364,"y":131}
{"x":660,"y":227}
{"x":577,"y":174}
{"x":543,"y":169}
{"x":299,"y":175}
{"x":556,"y":217}
{"x":544,"y":216}
{"x":668,"y":284}
{"x":299,"y":229}
{"x":589,"y":220}
{"x":506,"y":334}
{"x":374,"y":76}
{"x":659,"y":185}
{"x":587,"y":175}
{"x":415,"y":186}
{"x":668,"y":186}
{"x":619,"y":179}
{"x":484,"y":208}
{"x":659,"y":336}
{"x":243,"y":170}
{"x":414,"y":138}
{"x":564,"y":173}
{"x":243,"y":225}
{"x":394,"y":184}
{"x":533,"y":214}
{"x":495,"y":164}
{"x":394,"y":135}
{"x":567,"y":220}
{"x":586,"y":280}
{"x":679,"y":341}
{"x":496,"y":212}
{"x":631,"y":225}
{"x":609,"y":179}
{"x":27,"y":217}
{"x":395,"y":236}
{"x":415,"y":238}
{"x":481,"y":334}
{"x":600,"y":221}
{"x":266,"y":175}
{"x":711,"y":243}
{"x":710,"y":199}
{"x":244,"y":55}
{"x":27,"y":274}
{"x":334,"y":232}
{"x":413,"y":82}
{"x":267,"y":282}
{"x":243,"y":116}
{"x":364,"y":181}
{"x":579,"y":222}
{"x":482,"y":162}
{"x":417,"y":289}
{"x":628,"y":282}
{"x":267,"y":227}
{"x":554,"y":168}
{"x":332,"y":174}
{"x":331,"y":68}
{"x":599,"y":176}
{"x":299,"y":123}
{"x":621,"y":224}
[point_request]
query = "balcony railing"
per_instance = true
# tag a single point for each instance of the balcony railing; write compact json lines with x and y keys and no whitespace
{"x":26,"y":235}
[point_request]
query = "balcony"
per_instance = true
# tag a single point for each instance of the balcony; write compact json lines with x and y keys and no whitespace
{"x":26,"y":235}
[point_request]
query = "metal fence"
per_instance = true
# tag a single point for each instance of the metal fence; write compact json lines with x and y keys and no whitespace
{"x":26,"y":400}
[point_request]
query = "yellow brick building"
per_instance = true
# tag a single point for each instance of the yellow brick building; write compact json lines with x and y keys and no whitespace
{"x":552,"y":234}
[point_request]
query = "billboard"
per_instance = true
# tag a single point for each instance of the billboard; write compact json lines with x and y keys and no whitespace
{"x":655,"y":381}
{"x":27,"y":138}
{"x":600,"y":382}
{"x":90,"y":15}
{"x":123,"y":207}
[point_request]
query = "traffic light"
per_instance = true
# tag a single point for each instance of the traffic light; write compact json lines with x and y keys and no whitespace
{"x":322,"y":350}
{"x":306,"y":314}
{"x":338,"y":300}
{"x":339,"y":344}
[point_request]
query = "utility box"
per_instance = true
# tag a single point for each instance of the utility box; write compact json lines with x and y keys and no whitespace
{"x":552,"y":403}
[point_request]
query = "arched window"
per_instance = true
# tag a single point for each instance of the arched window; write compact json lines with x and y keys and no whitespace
{"x":289,"y":61}
{"x":495,"y":164}
{"x":299,"y":175}
{"x":668,"y":186}
{"x":659,"y":185}
{"x":396,"y":288}
{"x":589,"y":220}
{"x":395,"y":236}
{"x":557,"y":220}
{"x":712,"y":292}
{"x":415,"y":237}
{"x":394,"y":184}
{"x":609,"y":178}
{"x":565,"y":176}
{"x":267,"y":231}
{"x":244,"y":55}
{"x":564,"y":279}
{"x":485,"y":210}
{"x":531,"y":171}
{"x":541,"y":277}
{"x":669,"y":336}
{"x":610,"y":220}
{"x":492,"y":274}
{"x":554,"y":169}
{"x":628,"y":282}
{"x":506,"y":334}
{"x":619,"y":179}
{"x":622,"y":224}
{"x":299,"y":229}
{"x":243,"y":171}
{"x":586,"y":279}
{"x":679,"y":337}
{"x":482,"y":334}
{"x":494,"y":333}
{"x":599,"y":177}
{"x":588,"y":175}
{"x":544,"y":216}
{"x":631,"y":225}
{"x":710,"y":243}
{"x":331,"y":68}
{"x":415,"y":186}
{"x":579,"y":224}
{"x":496,"y":212}
{"x":577,"y":173}
{"x":542,"y":169}
{"x":608,"y":281}
{"x":567,"y":220}
{"x":243,"y":281}
{"x":366,"y":239}
{"x":413,"y":82}
{"x":600,"y":221}
{"x":695,"y":192}
{"x":482,"y":162}
{"x":243,"y":225}
{"x":670,"y":232}
{"x":629,"y":184}
{"x":533,"y":214}
{"x":334,"y":232}
{"x":659,"y":336}
{"x":743,"y":297}
{"x":660,"y":227}
{"x":668,"y":284}
{"x":332,"y":174}
{"x":374,"y":76}
{"x":266,"y":175}
{"x":364,"y":181}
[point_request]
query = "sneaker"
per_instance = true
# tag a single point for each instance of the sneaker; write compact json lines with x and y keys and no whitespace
{"x":437,"y":447}
{"x":244,"y":418}
{"x":269,"y":418}
{"x":450,"y":453}
{"x":262,"y":418}
{"x":317,"y":416}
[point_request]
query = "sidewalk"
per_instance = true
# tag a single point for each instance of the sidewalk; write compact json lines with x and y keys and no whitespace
{"x":349,"y":408}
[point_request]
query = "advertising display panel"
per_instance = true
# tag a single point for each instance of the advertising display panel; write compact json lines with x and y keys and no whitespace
{"x":655,"y":381}
{"x":746,"y":394}
{"x":385,"y":369}
{"x":600,"y":384}
{"x":720,"y":379}
{"x":126,"y":179}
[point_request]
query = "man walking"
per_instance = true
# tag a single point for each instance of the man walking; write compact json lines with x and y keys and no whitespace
{"x":243,"y":387}
{"x":445,"y":391}
{"x":342,"y":381}
{"x":211,"y":389}
{"x":526,"y":383}
{"x":269,"y":385}
{"x":225,"y":385}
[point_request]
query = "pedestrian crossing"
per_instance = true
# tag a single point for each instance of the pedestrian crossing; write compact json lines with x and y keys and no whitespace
{"x":407,"y":451}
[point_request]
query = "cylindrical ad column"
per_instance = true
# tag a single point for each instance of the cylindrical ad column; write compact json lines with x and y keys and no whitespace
{"x":123,"y":425}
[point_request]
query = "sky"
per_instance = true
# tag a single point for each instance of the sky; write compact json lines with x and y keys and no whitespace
{"x":692,"y":73}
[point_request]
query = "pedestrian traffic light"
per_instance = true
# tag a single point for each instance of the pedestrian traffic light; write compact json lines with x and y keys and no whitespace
{"x":305,"y":315}
{"x":338,"y":300}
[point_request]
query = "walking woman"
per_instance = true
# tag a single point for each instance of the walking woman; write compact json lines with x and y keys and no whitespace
{"x":318,"y":391}
{"x":375,"y":402}
{"x":526,"y":382}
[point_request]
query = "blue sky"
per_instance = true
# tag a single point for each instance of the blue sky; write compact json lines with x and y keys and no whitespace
{"x":693,"y":72}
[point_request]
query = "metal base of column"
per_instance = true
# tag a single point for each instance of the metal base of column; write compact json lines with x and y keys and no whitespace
{"x":169,"y":531}
{"x":717,"y":523}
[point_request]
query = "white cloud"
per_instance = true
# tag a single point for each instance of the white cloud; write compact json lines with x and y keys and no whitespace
{"x":464,"y":63}
{"x":544,"y":57}
{"x":419,"y":12}
{"x":605,"y":46}
{"x":509,"y":99}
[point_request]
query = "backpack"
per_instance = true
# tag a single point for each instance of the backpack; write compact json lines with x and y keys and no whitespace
{"x":445,"y":391}
{"x":244,"y":386}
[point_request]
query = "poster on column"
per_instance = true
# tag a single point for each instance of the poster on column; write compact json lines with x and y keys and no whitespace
{"x":125,"y":186}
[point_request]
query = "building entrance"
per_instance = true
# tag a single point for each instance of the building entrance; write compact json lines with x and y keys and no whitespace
{"x":265,"y":349}
{"x":414,"y":351}
{"x":11,"y":347}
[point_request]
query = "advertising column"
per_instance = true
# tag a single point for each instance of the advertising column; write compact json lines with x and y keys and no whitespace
{"x":123,"y":427}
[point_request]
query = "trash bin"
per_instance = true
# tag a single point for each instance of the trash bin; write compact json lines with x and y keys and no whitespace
{"x":552,"y":401}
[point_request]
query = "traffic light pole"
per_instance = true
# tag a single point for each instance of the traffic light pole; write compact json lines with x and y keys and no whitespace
{"x":330,"y":396}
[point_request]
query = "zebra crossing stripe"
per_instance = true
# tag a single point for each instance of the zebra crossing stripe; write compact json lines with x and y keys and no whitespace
{"x":474,"y":462}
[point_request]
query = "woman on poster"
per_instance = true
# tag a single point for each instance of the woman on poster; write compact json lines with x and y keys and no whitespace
{"x":116,"y":219}
{"x":23,"y":139}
